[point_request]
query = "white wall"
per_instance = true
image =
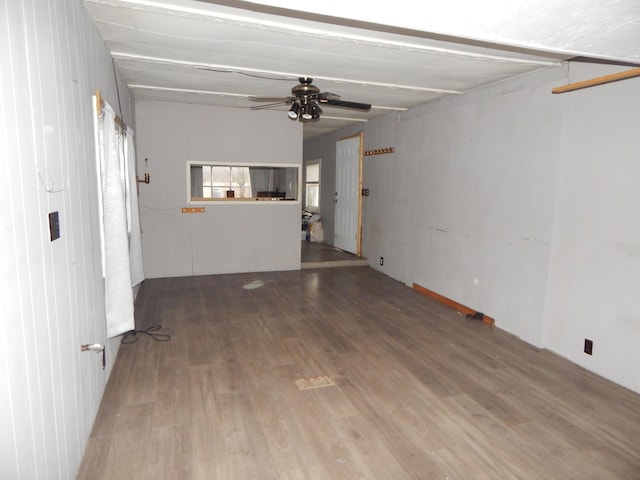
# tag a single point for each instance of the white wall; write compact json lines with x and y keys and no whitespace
{"x":594,"y":287}
{"x":482,"y":188}
{"x":51,"y":293}
{"x":227,"y":238}
{"x":520,"y":204}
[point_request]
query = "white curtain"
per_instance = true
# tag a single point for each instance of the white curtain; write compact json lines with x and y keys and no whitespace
{"x":135,"y":240}
{"x":119,"y":223}
{"x":261,"y":180}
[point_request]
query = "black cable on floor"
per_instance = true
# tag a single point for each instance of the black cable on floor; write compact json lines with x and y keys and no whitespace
{"x":132,"y":336}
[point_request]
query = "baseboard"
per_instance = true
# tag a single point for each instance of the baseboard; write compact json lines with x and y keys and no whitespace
{"x":452,"y":303}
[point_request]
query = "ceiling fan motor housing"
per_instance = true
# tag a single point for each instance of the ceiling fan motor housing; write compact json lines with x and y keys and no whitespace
{"x":305,"y":88}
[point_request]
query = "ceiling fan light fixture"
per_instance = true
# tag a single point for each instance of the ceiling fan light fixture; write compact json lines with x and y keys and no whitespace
{"x":315,"y":110}
{"x":305,"y":110}
{"x":293,"y":111}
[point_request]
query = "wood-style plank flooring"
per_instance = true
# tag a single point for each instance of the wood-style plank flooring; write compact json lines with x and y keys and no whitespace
{"x":421,"y":392}
{"x":321,"y":255}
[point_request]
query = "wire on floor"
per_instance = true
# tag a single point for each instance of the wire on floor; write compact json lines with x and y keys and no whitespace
{"x":132,"y":336}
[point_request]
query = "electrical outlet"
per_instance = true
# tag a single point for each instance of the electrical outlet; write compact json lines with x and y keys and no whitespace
{"x":381,"y":260}
{"x":588,"y":346}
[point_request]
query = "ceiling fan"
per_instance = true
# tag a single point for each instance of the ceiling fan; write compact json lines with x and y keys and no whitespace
{"x":305,"y":101}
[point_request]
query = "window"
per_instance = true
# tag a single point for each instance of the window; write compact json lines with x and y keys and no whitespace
{"x":220,"y":181}
{"x":210,"y":182}
{"x":312,"y":186}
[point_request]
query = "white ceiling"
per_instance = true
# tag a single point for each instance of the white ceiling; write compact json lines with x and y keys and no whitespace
{"x":223,"y":52}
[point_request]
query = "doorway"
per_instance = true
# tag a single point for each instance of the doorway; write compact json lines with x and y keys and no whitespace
{"x":348,"y":201}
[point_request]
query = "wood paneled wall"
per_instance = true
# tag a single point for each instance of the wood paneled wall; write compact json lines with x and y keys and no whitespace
{"x":51,"y":292}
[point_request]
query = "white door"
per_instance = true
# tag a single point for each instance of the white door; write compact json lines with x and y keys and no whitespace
{"x":347,"y":196}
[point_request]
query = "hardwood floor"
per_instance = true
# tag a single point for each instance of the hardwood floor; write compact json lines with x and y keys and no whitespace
{"x":421,"y":392}
{"x":320,"y":255}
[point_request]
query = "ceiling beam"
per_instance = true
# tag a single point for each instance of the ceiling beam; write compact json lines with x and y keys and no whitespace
{"x":314,"y":29}
{"x":283,"y":75}
{"x":567,"y":28}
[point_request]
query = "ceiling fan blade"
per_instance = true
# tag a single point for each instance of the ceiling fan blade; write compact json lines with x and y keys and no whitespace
{"x":269,"y":105}
{"x":345,"y":104}
{"x":325,"y":96}
{"x":270,"y":99}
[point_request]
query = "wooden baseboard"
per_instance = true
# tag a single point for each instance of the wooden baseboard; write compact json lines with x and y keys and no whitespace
{"x":451,"y":303}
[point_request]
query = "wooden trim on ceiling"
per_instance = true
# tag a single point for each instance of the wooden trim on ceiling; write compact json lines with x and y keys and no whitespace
{"x":614,"y":77}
